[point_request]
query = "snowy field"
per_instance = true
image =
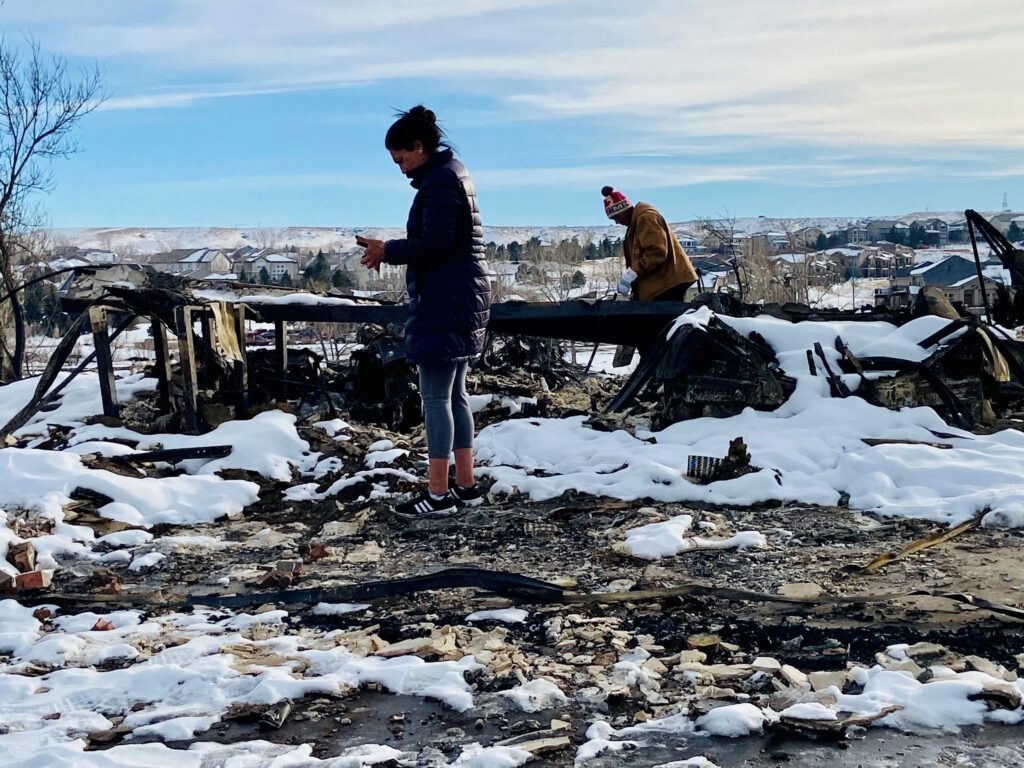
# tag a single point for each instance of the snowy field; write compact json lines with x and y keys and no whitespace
{"x":811,"y":451}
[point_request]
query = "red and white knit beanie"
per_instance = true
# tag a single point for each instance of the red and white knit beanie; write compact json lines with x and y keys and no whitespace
{"x":614,"y":202}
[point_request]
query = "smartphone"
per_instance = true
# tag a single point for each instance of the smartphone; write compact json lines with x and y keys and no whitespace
{"x":360,"y":241}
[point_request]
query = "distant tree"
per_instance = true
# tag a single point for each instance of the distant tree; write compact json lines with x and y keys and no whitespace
{"x":821,"y":243}
{"x":264,"y":276}
{"x":837,"y":239}
{"x":285,"y":280}
{"x":342,"y":279}
{"x":533,"y":249}
{"x":1014,"y":234}
{"x":515,"y":252}
{"x":318,"y":272}
{"x":590,"y":252}
{"x":897,"y":236}
{"x":915,"y":238}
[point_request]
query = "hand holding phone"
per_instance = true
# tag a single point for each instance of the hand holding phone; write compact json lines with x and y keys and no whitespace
{"x":361,"y":241}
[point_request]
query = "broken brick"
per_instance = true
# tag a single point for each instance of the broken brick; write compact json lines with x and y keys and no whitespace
{"x":22,"y":556}
{"x":317,"y":551}
{"x":33,"y":580}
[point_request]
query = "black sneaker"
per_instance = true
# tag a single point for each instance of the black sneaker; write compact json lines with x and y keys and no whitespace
{"x":467,"y":497}
{"x":426,"y":505}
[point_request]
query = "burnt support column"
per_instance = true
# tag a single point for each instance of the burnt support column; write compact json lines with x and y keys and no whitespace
{"x":189,"y":383}
{"x":281,"y":356}
{"x":163,"y":363}
{"x":104,"y":361}
{"x":206,"y":329}
{"x":241,"y":371}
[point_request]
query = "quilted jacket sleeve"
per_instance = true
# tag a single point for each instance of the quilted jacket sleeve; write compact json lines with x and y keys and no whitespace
{"x":652,"y":246}
{"x":442,"y":200}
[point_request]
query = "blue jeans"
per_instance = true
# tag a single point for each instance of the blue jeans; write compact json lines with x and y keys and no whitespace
{"x":446,"y":412}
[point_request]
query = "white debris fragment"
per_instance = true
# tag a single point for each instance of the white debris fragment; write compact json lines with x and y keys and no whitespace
{"x":507,"y":615}
{"x":536,"y":695}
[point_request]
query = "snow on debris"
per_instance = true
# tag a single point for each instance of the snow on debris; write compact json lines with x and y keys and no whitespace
{"x":536,"y":695}
{"x":186,"y":688}
{"x":667,"y":538}
{"x":948,"y":701}
{"x":811,"y":448}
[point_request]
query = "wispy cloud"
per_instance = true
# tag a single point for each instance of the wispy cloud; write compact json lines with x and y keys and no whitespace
{"x":929,"y":81}
{"x":875,"y":71}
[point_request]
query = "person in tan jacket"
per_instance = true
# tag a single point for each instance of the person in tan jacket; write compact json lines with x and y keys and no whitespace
{"x":657,"y":267}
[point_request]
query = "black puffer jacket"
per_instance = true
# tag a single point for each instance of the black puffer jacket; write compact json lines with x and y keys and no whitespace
{"x":446,"y":274}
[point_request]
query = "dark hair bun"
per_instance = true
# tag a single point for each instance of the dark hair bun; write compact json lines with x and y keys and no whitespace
{"x":422,"y":113}
{"x":418,"y":124}
{"x":607,"y":191}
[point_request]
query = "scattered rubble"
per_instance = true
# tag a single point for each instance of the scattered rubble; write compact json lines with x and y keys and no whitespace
{"x":560,"y":628}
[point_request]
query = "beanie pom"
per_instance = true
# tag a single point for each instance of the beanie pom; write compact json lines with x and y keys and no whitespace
{"x":607,"y":190}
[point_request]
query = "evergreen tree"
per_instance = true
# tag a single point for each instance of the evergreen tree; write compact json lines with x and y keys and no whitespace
{"x":1014,"y":234}
{"x":318,"y":271}
{"x":264,"y":276}
{"x":341,"y":279}
{"x":897,"y":236}
{"x":821,"y":243}
{"x":915,"y":238}
{"x":515,"y":252}
{"x":590,"y":252}
{"x":286,"y":280}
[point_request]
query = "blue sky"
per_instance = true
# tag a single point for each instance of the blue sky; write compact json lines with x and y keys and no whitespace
{"x":273,"y":112}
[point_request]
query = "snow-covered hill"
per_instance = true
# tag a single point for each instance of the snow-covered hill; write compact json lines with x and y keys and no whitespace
{"x":146,"y":240}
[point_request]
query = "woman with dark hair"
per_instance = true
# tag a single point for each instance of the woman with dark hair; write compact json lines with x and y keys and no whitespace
{"x":449,"y":300}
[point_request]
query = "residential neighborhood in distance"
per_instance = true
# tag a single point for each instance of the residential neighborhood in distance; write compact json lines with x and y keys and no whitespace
{"x":792,"y":259}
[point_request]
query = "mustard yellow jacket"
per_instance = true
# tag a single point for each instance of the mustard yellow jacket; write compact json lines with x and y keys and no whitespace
{"x":654,"y":253}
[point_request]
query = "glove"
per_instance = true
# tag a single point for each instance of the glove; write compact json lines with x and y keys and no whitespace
{"x":626,"y":282}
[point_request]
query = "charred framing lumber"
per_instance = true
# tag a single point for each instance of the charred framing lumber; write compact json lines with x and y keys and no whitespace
{"x":174,"y":455}
{"x":187,"y":359}
{"x":240,"y":372}
{"x":41,"y":397}
{"x":104,"y":361}
{"x":162,"y":367}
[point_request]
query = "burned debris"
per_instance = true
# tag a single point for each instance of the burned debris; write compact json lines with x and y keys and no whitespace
{"x":782,"y":617}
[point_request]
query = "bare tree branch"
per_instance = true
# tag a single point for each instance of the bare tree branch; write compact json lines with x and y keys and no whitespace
{"x":41,"y":101}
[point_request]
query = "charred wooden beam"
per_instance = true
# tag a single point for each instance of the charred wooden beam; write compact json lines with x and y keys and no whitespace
{"x":281,"y":355}
{"x":189,"y":382}
{"x":104,"y":361}
{"x":163,"y":363}
{"x":240,"y":372}
{"x":174,"y":455}
{"x":206,"y":331}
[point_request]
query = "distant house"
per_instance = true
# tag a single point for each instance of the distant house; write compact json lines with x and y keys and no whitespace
{"x":880,"y":229}
{"x":98,"y":257}
{"x":688,"y":240}
{"x":815,"y":268}
{"x":278,"y":265}
{"x":191,"y":262}
{"x":846,"y":258}
{"x":1002,"y":220}
{"x":205,"y":261}
{"x":936,"y":231}
{"x":956,"y":232}
{"x":955,"y":275}
{"x":856,"y":232}
{"x":808,"y":236}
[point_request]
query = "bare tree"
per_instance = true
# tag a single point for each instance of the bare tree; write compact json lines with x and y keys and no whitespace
{"x":41,"y":101}
{"x":719,"y":234}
